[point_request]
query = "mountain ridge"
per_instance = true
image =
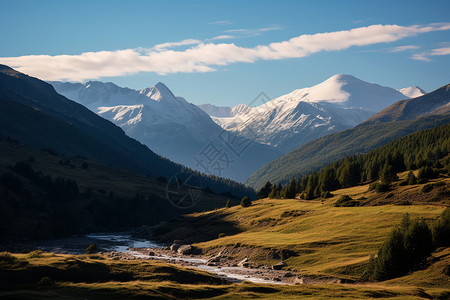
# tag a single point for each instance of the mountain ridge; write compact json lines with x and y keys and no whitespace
{"x":291,"y":120}
{"x":432,"y":103}
{"x":172,"y":127}
{"x":317,"y":153}
{"x":34,"y":114}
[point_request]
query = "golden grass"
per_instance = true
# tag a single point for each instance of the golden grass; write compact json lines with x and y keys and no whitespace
{"x":158,"y":280}
{"x":328,"y":240}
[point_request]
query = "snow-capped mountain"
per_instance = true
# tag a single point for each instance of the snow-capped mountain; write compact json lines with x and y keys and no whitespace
{"x":224,"y":111}
{"x":172,"y":127}
{"x":412,"y":91}
{"x":341,"y":102}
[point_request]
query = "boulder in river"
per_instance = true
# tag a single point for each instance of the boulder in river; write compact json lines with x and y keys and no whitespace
{"x":185,"y":249}
{"x":279,"y":265}
{"x":175,"y":247}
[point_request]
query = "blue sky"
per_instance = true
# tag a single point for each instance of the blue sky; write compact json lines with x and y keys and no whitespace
{"x":226,"y":52}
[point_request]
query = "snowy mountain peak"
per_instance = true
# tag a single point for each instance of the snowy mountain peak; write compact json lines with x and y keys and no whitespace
{"x":159,"y":92}
{"x":340,"y":102}
{"x":346,"y":91}
{"x":412,"y":91}
{"x":343,"y":77}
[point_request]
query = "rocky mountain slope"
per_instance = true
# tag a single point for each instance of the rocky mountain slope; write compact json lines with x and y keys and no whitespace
{"x":289,"y":121}
{"x":173,"y":127}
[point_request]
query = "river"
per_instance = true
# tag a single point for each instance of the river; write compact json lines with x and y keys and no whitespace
{"x":123,"y":241}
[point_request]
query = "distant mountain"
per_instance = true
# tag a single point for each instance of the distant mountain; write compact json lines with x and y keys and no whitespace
{"x":412,"y":91}
{"x":400,"y":119}
{"x":33,"y":113}
{"x":224,"y":111}
{"x":289,"y":121}
{"x":172,"y":127}
{"x":436,"y":102}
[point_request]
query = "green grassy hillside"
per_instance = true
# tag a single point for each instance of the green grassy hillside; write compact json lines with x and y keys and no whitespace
{"x":314,"y":237}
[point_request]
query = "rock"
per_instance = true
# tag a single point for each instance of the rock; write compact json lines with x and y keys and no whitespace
{"x":279,"y":265}
{"x":277,"y":279}
{"x":185,"y":249}
{"x":299,"y":280}
{"x":243,"y":263}
{"x":174,"y":247}
{"x":213,"y":259}
{"x":288,"y":274}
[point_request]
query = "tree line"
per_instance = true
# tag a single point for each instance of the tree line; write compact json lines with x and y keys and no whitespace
{"x":408,"y":246}
{"x":421,"y":150}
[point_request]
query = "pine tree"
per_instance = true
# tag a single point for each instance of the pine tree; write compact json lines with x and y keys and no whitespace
{"x":311,"y":186}
{"x":275,"y":193}
{"x":418,"y":243}
{"x":390,"y":260}
{"x":291,"y":189}
{"x":441,"y":230}
{"x":350,"y":173}
{"x":411,"y":178}
{"x":388,"y":174}
{"x":303,"y":183}
{"x":265,"y":190}
{"x":328,"y":180}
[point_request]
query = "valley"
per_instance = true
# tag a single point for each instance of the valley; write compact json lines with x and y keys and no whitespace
{"x":325,"y":250}
{"x":224,"y":150}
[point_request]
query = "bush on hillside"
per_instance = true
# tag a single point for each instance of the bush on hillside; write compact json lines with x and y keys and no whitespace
{"x":92,"y":248}
{"x":346,"y":201}
{"x":427,"y":173}
{"x":246,"y":202}
{"x":379,"y":187}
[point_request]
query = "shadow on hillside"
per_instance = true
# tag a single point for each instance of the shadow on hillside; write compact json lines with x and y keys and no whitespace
{"x":196,"y":229}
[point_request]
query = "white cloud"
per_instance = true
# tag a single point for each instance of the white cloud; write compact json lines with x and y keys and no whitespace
{"x":441,"y":51}
{"x":203,"y":57}
{"x":222,"y":22}
{"x":421,"y":56}
{"x":404,"y":48}
{"x":253,"y":32}
{"x":425,"y":56}
{"x":222,"y":37}
{"x":164,"y":46}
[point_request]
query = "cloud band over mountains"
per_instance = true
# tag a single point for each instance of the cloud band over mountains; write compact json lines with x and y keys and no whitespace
{"x":204,"y":56}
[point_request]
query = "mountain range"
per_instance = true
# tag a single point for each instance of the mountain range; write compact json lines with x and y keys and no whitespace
{"x":399,"y":119}
{"x":183,"y":132}
{"x":291,"y":120}
{"x":33,"y":113}
{"x":172,"y":127}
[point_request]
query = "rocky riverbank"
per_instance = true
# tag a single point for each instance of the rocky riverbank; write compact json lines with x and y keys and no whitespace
{"x":220,"y":264}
